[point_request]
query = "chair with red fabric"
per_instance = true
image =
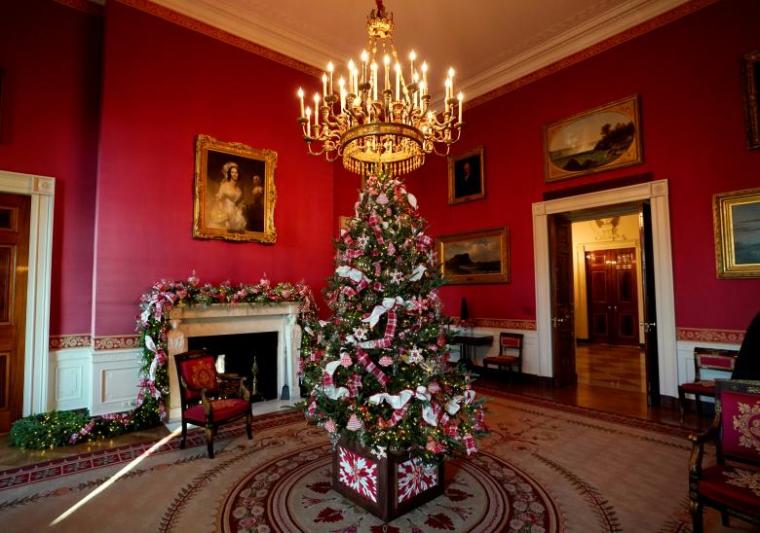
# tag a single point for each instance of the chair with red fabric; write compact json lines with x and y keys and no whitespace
{"x":203,"y":402}
{"x":510,"y":353}
{"x":733,"y":484}
{"x":705,"y":359}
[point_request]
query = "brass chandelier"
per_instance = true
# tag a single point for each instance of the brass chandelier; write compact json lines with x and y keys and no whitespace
{"x":380,"y":122}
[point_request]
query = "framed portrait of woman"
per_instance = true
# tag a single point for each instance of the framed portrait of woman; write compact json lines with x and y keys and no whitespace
{"x":234,"y":192}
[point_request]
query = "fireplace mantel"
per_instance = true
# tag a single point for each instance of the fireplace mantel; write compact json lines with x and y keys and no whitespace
{"x":225,"y":319}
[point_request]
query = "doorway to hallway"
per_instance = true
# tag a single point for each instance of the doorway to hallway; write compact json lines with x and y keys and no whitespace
{"x":608,"y":300}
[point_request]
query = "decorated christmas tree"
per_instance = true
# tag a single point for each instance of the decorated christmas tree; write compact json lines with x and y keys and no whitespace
{"x":378,"y":370}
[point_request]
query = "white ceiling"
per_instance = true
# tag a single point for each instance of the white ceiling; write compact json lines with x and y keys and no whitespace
{"x":488,"y":42}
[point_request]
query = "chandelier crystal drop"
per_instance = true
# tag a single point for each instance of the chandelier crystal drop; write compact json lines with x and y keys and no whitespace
{"x":379,"y":118}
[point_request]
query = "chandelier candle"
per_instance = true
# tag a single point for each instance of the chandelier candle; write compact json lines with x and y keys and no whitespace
{"x":386,"y":129}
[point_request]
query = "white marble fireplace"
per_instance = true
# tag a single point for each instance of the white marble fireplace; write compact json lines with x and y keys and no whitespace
{"x":224,"y":319}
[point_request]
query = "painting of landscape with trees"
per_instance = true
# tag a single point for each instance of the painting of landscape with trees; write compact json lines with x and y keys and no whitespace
{"x":603,"y":138}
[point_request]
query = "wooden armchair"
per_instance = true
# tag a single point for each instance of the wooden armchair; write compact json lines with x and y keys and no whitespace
{"x":733,"y":484}
{"x":202,"y":396}
{"x":510,"y":353}
{"x":705,"y":359}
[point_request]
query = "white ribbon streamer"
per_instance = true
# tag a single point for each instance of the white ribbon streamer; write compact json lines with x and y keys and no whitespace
{"x":351,"y":273}
{"x":398,"y":401}
{"x":452,"y":407}
{"x":334,"y":393}
{"x":149,"y":344}
{"x":153,"y":368}
{"x":412,"y":200}
{"x":428,"y":415}
{"x":380,"y":310}
{"x":417,"y":273}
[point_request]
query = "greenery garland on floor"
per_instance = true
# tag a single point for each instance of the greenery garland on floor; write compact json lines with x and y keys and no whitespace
{"x":58,"y":428}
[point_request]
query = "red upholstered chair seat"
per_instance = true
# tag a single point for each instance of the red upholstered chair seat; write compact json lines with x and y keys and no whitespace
{"x":732,"y":485}
{"x":220,"y":409}
{"x":703,"y":388}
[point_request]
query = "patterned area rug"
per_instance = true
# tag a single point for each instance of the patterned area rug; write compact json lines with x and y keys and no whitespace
{"x":544,"y":468}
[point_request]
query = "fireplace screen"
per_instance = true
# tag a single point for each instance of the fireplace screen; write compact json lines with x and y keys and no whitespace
{"x":239,"y":353}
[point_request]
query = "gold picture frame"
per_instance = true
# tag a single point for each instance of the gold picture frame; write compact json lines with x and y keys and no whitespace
{"x":467,"y":176}
{"x":475,"y":257}
{"x":736,"y":222}
{"x":603,"y":138}
{"x":752,"y":98}
{"x":234,"y":193}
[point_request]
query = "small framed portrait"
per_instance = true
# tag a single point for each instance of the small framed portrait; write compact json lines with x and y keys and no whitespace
{"x":466,"y":177}
{"x":476,"y":257}
{"x":752,"y":98}
{"x":234,"y":193}
{"x":596,"y":140}
{"x":736,"y":220}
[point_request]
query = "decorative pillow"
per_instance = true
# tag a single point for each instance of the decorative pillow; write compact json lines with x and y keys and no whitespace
{"x":200,"y":373}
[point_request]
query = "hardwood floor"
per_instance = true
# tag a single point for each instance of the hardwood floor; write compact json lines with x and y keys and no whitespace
{"x":618,"y":401}
{"x":616,"y":366}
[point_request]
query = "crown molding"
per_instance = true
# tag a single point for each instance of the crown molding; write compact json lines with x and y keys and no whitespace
{"x":224,"y":15}
{"x":603,"y":26}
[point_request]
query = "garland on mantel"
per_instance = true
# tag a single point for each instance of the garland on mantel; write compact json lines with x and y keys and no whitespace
{"x":48,"y":430}
{"x":153,"y":326}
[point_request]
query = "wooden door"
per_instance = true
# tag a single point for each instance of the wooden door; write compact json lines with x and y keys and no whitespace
{"x":649,"y":320}
{"x":14,"y":262}
{"x":613,"y":296}
{"x":563,"y":327}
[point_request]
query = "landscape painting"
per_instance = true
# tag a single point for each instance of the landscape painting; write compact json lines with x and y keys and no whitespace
{"x":601,"y":139}
{"x":737,"y":234}
{"x":477,"y":257}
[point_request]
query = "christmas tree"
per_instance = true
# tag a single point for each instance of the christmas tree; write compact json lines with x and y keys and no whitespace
{"x":379,"y":369}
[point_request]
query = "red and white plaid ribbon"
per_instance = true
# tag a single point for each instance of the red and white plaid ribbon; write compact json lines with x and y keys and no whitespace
{"x":354,"y":384}
{"x":423,"y":242}
{"x":395,"y":418}
{"x":390,"y":332}
{"x":374,"y":223}
{"x":372,"y":368}
{"x":469,"y":444}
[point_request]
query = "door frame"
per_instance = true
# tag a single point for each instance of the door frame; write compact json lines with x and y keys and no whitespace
{"x":41,"y":189}
{"x":656,"y":192}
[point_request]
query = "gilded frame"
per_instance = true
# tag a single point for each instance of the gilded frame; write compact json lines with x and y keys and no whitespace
{"x":727,"y":264}
{"x":752,"y":98}
{"x":494,"y":242}
{"x":456,"y":164}
{"x":630,"y":154}
{"x":242,"y":209}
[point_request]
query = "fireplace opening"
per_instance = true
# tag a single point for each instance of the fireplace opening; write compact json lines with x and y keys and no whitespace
{"x":239,"y":351}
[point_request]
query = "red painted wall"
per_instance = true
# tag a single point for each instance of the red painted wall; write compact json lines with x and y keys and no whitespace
{"x":163,"y":85}
{"x":688,"y":76}
{"x":50,"y":55}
